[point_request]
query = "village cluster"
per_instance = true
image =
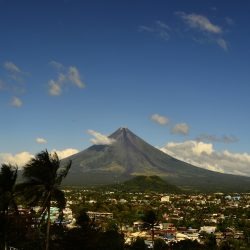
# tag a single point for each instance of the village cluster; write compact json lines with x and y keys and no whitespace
{"x":178,"y":216}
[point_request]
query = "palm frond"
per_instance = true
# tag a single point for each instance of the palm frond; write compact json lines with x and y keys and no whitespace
{"x":32,"y":192}
{"x":8,"y":176}
{"x":62,"y":173}
{"x":59,"y":198}
{"x":42,"y":167}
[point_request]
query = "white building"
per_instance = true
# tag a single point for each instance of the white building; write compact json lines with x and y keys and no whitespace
{"x":165,"y":198}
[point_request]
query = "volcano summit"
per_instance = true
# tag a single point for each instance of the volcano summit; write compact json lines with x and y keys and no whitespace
{"x":127,"y":155}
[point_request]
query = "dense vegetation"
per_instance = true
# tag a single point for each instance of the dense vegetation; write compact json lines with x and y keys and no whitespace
{"x":146,"y":184}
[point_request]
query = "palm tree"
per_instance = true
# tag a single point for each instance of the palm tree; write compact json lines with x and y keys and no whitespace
{"x":8,"y":176}
{"x":150,"y":221}
{"x":43,"y":176}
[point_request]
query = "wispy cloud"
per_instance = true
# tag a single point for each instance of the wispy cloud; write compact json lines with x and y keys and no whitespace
{"x":162,"y":120}
{"x":11,"y":67}
{"x":74,"y":77}
{"x":13,"y":82}
{"x":159,"y":28}
{"x":213,"y":138}
{"x":180,"y":128}
{"x":100,"y":139}
{"x":14,"y":71}
{"x":41,"y":140}
{"x":205,"y":156}
{"x":65,"y":77}
{"x":16,"y":102}
{"x":55,"y":88}
{"x":211,"y":31}
{"x":200,"y":22}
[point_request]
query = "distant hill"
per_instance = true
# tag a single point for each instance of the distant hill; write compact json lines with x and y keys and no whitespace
{"x":130,"y":156}
{"x":147,"y":183}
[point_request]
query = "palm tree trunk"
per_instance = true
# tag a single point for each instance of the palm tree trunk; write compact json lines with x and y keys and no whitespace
{"x":48,"y":226}
{"x":153,"y":236}
{"x":6,"y":229}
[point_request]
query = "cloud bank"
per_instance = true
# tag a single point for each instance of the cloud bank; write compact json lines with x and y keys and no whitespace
{"x":203,"y":155}
{"x":19,"y":159}
{"x":22,"y":158}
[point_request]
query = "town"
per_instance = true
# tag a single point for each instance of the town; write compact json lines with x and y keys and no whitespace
{"x":218,"y":217}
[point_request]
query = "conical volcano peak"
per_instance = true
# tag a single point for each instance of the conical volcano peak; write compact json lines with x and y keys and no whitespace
{"x":121,"y":132}
{"x":129,"y":155}
{"x":123,"y":128}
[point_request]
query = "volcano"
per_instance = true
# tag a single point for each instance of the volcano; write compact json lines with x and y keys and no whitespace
{"x":128,"y":156}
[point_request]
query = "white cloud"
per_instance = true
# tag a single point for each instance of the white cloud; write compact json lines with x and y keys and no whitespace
{"x":159,"y":29}
{"x":180,"y":128}
{"x":13,"y":82}
{"x":19,"y":159}
{"x":41,"y":140}
{"x":65,"y":77}
{"x":74,"y":77}
{"x":14,"y":72}
{"x":54,"y":88}
{"x":100,"y":139}
{"x":22,"y":158}
{"x":16,"y":102}
{"x":204,"y":155}
{"x":162,"y":120}
{"x":65,"y":152}
{"x":200,"y":22}
{"x":211,"y":32}
{"x":11,"y":67}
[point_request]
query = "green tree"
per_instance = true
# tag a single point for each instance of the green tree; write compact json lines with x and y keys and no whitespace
{"x":187,"y":245}
{"x":210,"y":241}
{"x":43,"y":176}
{"x":138,"y":244}
{"x":160,"y":244}
{"x":233,"y":244}
{"x":8,"y":176}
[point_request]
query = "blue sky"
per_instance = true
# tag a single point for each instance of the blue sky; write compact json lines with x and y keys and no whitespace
{"x":176,"y":73}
